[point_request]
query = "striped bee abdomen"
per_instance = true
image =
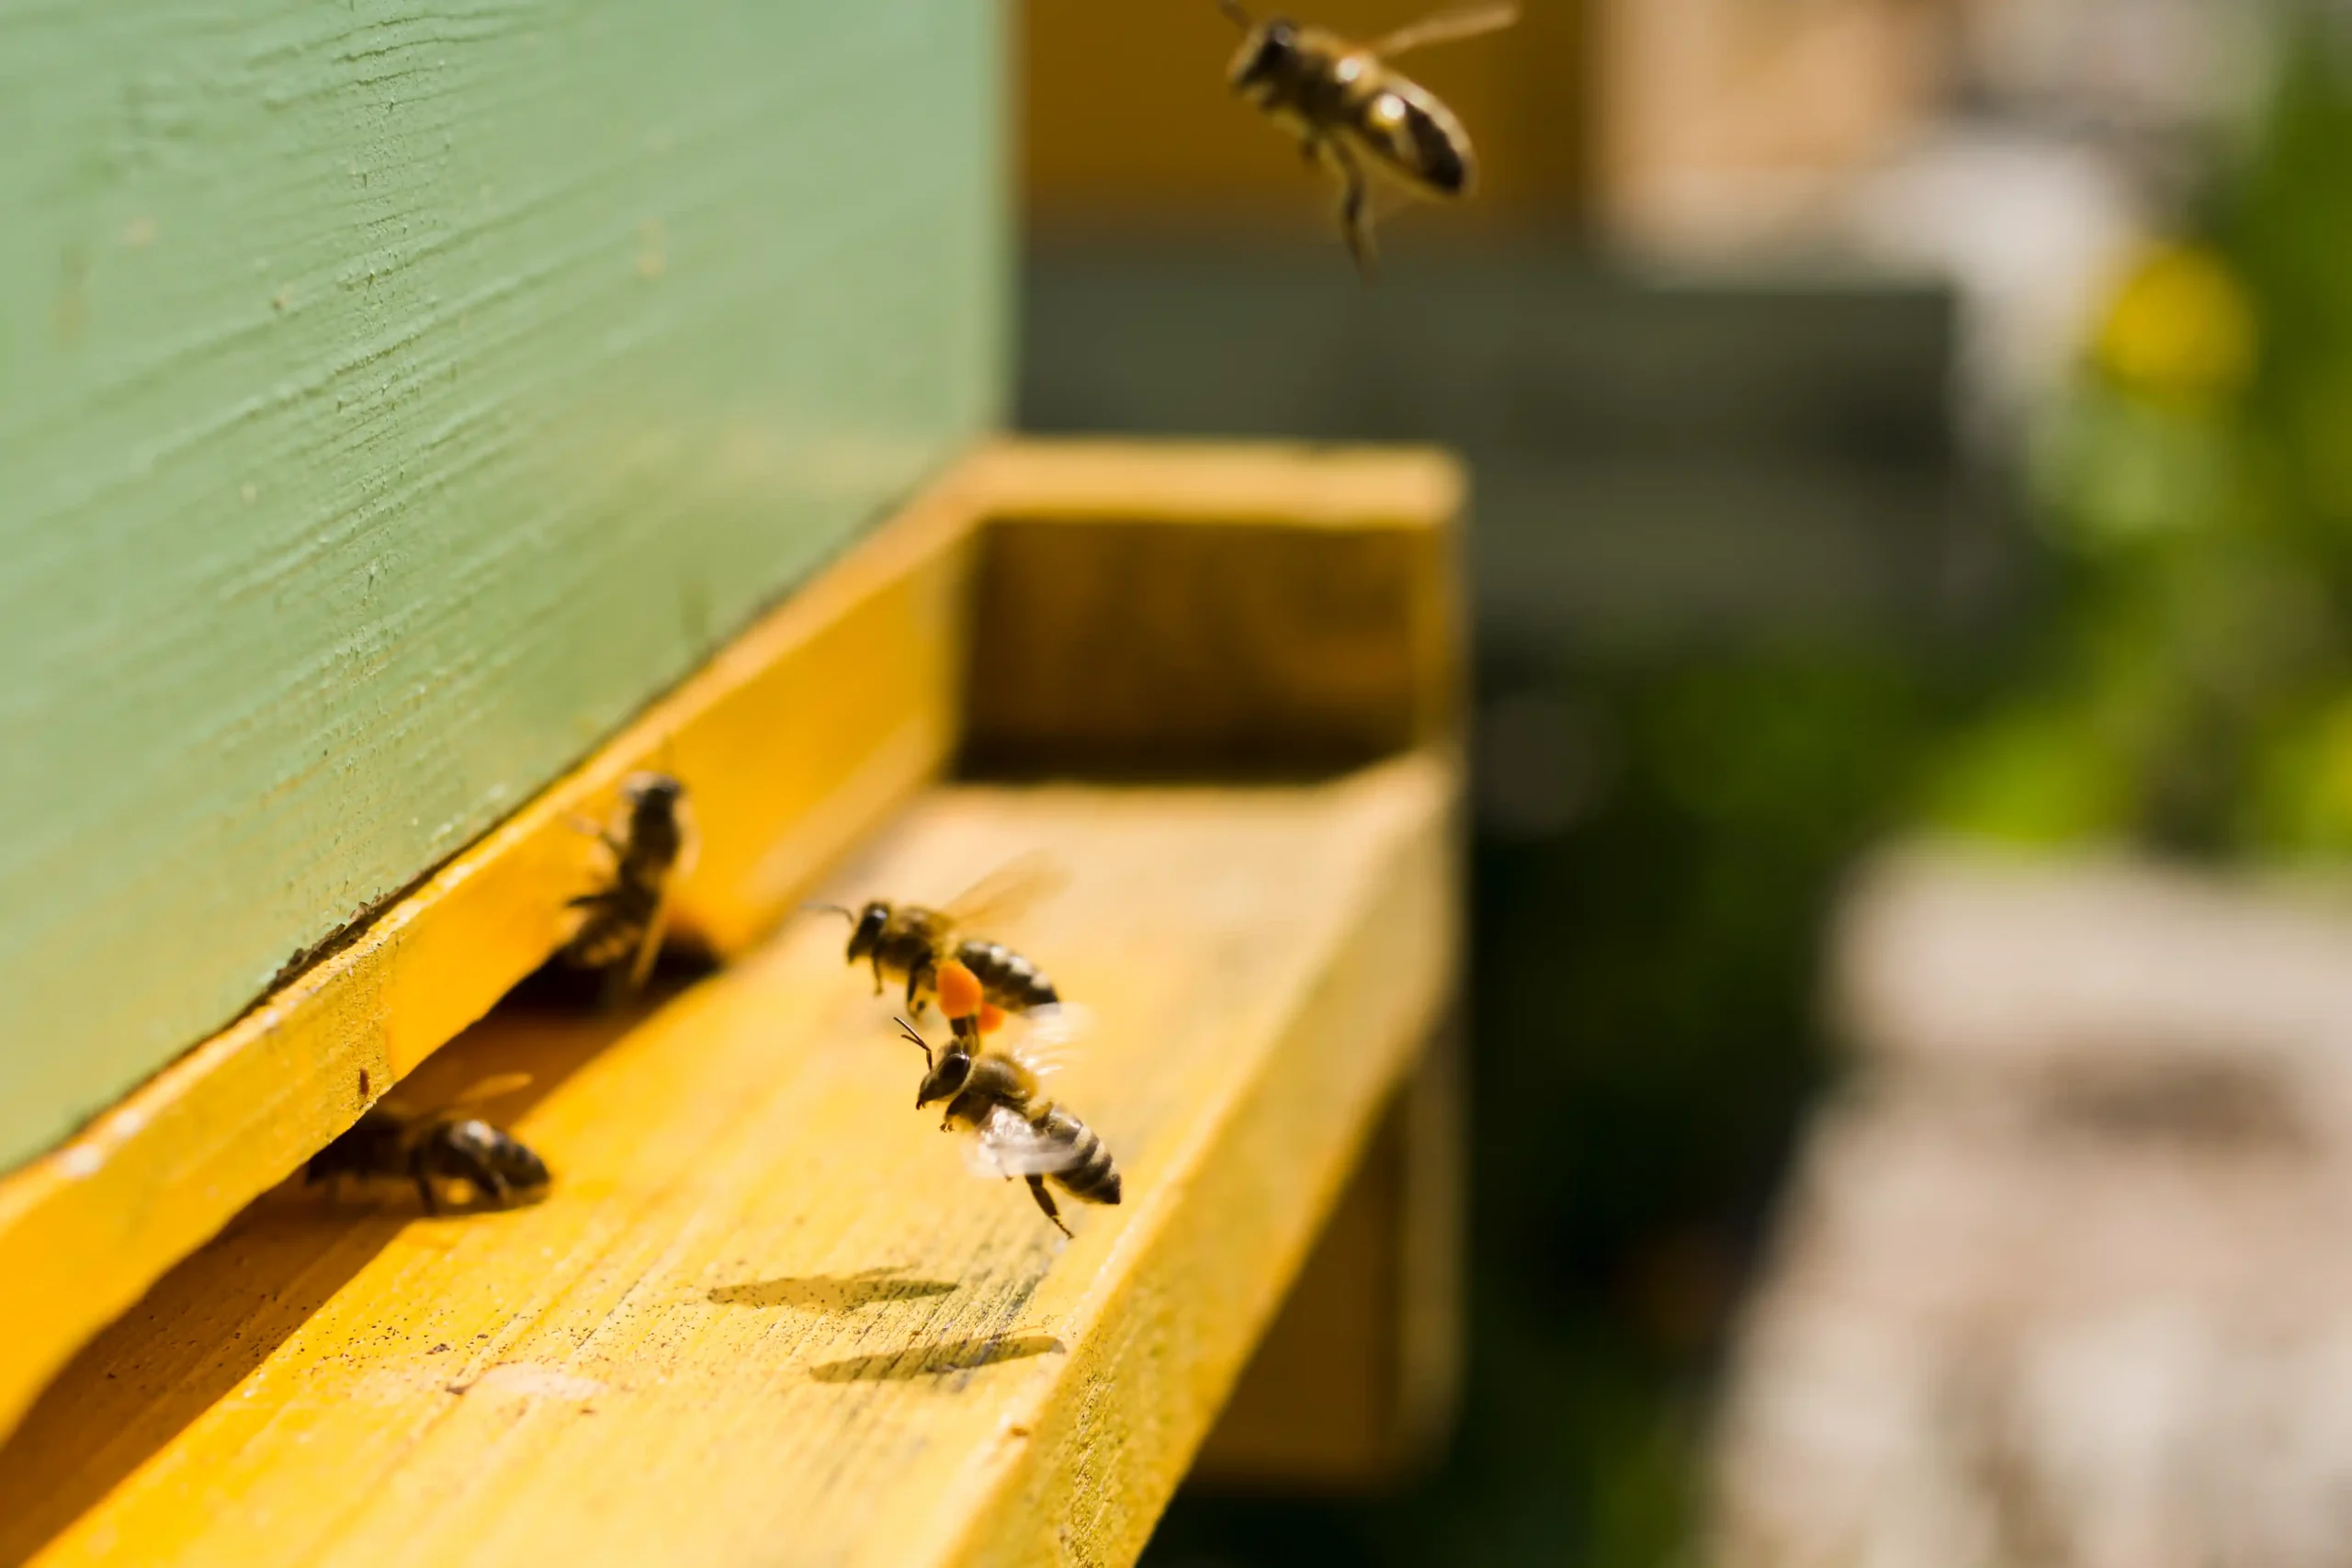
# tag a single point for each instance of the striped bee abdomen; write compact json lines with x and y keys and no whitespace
{"x":1094,"y":1179}
{"x":1008,"y":979}
{"x":1439,"y":153}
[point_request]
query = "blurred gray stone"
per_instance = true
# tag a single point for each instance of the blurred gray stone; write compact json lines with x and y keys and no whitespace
{"x":2063,"y":1281}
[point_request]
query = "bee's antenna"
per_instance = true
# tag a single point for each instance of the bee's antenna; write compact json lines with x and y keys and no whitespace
{"x":1236,"y":15}
{"x":847,"y":914}
{"x":909,"y":1031}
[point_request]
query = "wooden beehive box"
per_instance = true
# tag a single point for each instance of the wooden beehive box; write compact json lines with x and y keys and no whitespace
{"x":416,"y":422}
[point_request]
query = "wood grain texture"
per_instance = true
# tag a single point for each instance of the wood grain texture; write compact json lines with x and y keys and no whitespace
{"x":802,"y":737}
{"x":1199,"y":608}
{"x":393,"y":400}
{"x":766,"y":1315}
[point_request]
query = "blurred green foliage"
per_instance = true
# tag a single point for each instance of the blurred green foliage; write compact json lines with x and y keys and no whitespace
{"x":2192,"y":693}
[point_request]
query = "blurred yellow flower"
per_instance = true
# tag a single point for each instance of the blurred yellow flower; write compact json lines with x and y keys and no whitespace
{"x":2178,"y":329}
{"x":2303,"y":803}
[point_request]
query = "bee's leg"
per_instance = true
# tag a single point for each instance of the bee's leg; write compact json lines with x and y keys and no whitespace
{"x":619,"y":985}
{"x":1355,"y":212}
{"x":1356,"y":223}
{"x":420,"y":1170}
{"x":877,"y":974}
{"x":490,"y":1190}
{"x":919,"y":976}
{"x":1045,"y":1202}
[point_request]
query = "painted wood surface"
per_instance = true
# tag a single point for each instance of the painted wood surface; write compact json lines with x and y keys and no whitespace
{"x":800,"y":738}
{"x":392,"y":400}
{"x":1241,"y":607}
{"x":766,"y":1315}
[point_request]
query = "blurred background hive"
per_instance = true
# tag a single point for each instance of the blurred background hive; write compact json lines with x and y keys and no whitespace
{"x":1888,"y":415}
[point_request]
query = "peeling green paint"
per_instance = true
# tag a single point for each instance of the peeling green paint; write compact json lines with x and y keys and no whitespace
{"x":393,"y":399}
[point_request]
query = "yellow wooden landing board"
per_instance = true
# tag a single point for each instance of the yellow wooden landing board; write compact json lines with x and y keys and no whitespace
{"x":766,"y":1315}
{"x":799,"y":737}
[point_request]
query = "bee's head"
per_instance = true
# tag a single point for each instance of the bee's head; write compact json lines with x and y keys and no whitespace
{"x":864,"y":925}
{"x":652,"y":797}
{"x":1267,"y":55}
{"x":865,"y":930}
{"x":946,"y":1072}
{"x":501,"y":1155}
{"x":946,"y":1078}
{"x":525,"y":1171}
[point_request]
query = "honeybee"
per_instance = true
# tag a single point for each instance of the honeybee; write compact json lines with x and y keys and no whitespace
{"x":432,"y":1147}
{"x":1355,"y":115}
{"x":621,"y":934}
{"x":995,"y":1097}
{"x":912,"y":941}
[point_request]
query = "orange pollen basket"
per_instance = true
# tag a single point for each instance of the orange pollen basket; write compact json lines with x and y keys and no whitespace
{"x":959,"y":991}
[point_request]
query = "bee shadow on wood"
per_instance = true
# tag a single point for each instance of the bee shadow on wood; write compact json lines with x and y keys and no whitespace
{"x":208,"y":1325}
{"x":938,"y":1359}
{"x":834,"y":1294}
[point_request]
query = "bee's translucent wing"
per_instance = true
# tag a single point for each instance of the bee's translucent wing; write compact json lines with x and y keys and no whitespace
{"x":648,"y":945}
{"x":497,"y":1086}
{"x":1007,"y":1144}
{"x":1049,"y":1040}
{"x":689,"y":841}
{"x":1005,"y":892}
{"x":408,"y":1108}
{"x":657,"y":926}
{"x":1462,"y":21}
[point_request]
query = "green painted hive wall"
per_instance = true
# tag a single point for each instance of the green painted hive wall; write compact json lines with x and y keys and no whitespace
{"x":392,"y":400}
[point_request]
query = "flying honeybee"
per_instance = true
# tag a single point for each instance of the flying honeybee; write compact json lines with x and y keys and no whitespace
{"x":996,"y":1097}
{"x":436,"y":1146}
{"x":911,"y":941}
{"x":1355,"y":115}
{"x":621,"y":932}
